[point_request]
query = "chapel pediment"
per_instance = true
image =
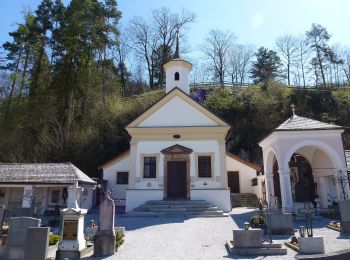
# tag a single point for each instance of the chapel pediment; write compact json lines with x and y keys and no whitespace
{"x":177,"y":149}
{"x":176,"y":109}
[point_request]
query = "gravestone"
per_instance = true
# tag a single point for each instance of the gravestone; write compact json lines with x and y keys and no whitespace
{"x":311,"y":245}
{"x":248,"y":238}
{"x":250,"y":242}
{"x":104,"y":241}
{"x":280,"y":223}
{"x":37,"y":242}
{"x":16,"y":238}
{"x":344,"y":208}
{"x":73,"y":241}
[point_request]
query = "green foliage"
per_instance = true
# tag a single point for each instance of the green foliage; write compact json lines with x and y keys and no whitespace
{"x":257,"y":221}
{"x":253,"y":113}
{"x":119,"y":238}
{"x":54,"y":239}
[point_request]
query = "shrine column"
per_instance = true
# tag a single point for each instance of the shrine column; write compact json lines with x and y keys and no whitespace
{"x":269,"y":189}
{"x":286,"y":191}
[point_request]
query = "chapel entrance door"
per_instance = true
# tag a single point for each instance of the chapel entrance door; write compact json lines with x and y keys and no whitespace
{"x":177,"y":186}
{"x":233,"y":181}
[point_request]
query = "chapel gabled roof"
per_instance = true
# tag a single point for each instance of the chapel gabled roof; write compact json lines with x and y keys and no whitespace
{"x":181,"y":94}
{"x":298,"y":123}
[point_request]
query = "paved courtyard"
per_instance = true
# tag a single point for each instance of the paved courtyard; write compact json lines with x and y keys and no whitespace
{"x":200,"y":238}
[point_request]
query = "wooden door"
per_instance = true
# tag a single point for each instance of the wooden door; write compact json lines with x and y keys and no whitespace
{"x":233,"y":181}
{"x":176,"y":172}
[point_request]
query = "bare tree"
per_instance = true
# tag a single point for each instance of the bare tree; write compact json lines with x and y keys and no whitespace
{"x":144,"y":43}
{"x":120,"y":53}
{"x":157,"y":34}
{"x":287,"y":48}
{"x":200,"y":74}
{"x":5,"y":83}
{"x":302,"y":59}
{"x":216,"y":51}
{"x":240,"y":58}
{"x":166,"y":25}
{"x":346,"y":64}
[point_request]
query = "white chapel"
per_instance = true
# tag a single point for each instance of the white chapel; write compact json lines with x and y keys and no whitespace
{"x":177,"y":152}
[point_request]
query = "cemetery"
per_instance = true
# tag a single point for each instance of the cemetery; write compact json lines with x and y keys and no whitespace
{"x":179,"y":191}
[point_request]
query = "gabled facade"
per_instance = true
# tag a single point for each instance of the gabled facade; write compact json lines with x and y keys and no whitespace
{"x":177,"y":151}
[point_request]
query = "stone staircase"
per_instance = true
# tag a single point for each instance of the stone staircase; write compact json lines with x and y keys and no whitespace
{"x":244,"y":200}
{"x":176,"y":208}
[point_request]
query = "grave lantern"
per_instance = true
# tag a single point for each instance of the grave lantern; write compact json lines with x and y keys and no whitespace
{"x":246,"y":225}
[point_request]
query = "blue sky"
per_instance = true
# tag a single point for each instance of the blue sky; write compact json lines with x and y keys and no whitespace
{"x":258,"y":22}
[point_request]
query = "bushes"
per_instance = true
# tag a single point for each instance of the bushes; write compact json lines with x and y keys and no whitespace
{"x":119,"y":238}
{"x":257,"y":221}
{"x":54,"y":239}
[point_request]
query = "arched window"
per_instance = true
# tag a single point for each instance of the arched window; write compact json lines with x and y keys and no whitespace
{"x":177,"y":76}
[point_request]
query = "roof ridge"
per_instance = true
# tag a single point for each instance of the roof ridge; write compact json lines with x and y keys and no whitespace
{"x":304,"y":123}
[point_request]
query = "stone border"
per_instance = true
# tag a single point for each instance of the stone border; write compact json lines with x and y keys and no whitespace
{"x":291,"y":246}
{"x":336,"y":255}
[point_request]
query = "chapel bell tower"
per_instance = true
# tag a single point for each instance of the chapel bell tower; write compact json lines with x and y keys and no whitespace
{"x":177,"y":71}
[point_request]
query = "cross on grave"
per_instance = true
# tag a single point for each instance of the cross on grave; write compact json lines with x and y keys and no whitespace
{"x":308,"y":212}
{"x":74,"y":195}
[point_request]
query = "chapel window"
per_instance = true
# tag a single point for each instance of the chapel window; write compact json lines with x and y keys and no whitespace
{"x":177,"y":76}
{"x":122,"y":177}
{"x":149,"y":167}
{"x":204,"y":166}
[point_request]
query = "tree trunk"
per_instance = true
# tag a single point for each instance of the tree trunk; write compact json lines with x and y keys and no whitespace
{"x":103,"y":76}
{"x":38,"y":67}
{"x":321,"y":66}
{"x":14,"y":81}
{"x":24,"y":72}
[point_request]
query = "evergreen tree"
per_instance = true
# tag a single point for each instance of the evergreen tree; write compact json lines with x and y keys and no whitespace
{"x":265,"y":68}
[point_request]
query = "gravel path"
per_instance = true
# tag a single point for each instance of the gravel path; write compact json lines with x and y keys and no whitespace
{"x":200,"y":238}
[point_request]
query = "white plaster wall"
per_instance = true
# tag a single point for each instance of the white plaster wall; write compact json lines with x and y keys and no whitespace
{"x":199,"y":146}
{"x":177,"y":112}
{"x":219,"y":198}
{"x":182,"y":83}
{"x":332,"y":140}
{"x":246,"y":174}
{"x":86,"y":198}
{"x":135,"y":198}
{"x":110,"y":174}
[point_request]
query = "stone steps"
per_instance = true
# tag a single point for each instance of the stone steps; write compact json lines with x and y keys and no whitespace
{"x":181,"y":208}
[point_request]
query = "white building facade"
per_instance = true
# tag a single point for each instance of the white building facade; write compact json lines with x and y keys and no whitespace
{"x":177,"y":150}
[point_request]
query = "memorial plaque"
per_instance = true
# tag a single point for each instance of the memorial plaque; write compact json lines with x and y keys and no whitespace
{"x":70,"y":230}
